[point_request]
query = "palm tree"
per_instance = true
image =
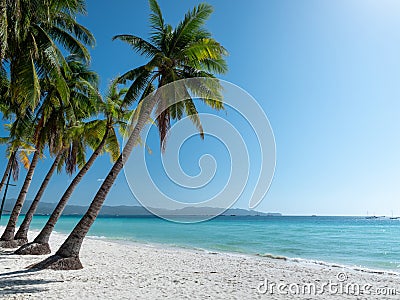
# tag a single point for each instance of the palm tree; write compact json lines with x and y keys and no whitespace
{"x":30,"y":35}
{"x":4,"y":84}
{"x":53,"y":116}
{"x":21,"y":129}
{"x":18,"y":146}
{"x":24,"y":227}
{"x":184,"y":52}
{"x":7,"y":171}
{"x":8,"y":235}
{"x":115,"y":114}
{"x":17,"y":152}
{"x":69,"y":156}
{"x":12,"y":167}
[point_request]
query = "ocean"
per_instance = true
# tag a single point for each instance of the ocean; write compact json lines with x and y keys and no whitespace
{"x":352,"y":241}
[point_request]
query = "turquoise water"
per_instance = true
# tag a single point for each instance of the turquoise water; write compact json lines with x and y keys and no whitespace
{"x":353,"y":241}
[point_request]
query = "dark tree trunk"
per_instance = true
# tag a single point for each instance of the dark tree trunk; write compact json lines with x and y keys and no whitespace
{"x":7,"y":175}
{"x":7,"y":239}
{"x":67,"y":257}
{"x":8,"y":169}
{"x":40,"y":245}
{"x":22,"y":233}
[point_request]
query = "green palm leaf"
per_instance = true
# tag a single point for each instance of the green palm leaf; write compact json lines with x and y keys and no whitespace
{"x":187,"y":51}
{"x":192,"y":23}
{"x":138,"y":44}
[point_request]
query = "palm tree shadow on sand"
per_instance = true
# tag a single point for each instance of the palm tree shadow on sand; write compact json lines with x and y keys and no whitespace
{"x":12,"y":283}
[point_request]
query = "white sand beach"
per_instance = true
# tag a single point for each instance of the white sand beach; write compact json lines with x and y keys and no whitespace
{"x":115,"y":270}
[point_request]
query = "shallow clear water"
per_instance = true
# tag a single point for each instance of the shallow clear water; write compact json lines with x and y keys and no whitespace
{"x":352,"y":241}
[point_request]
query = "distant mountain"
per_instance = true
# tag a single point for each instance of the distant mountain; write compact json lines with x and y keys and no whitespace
{"x":47,"y":208}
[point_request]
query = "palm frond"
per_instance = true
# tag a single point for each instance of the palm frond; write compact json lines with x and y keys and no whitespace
{"x":156,"y":18}
{"x":27,"y":91}
{"x":192,"y":22}
{"x":192,"y":113}
{"x":70,"y":43}
{"x":112,"y":145}
{"x":138,"y":44}
{"x":157,"y":23}
{"x":15,"y":166}
{"x":23,"y":156}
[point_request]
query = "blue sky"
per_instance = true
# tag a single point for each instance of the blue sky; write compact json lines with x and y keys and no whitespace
{"x":326,"y":73}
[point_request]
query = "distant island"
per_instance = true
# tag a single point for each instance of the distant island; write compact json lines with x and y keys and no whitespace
{"x":125,"y":210}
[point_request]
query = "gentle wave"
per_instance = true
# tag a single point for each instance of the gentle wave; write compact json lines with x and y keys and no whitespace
{"x":327,"y":264}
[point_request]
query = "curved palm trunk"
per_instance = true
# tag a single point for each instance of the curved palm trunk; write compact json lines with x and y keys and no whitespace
{"x":5,"y":195}
{"x":67,"y":257}
{"x":7,"y":175}
{"x":40,"y":245}
{"x":6,"y":239}
{"x":8,"y":169}
{"x":22,"y":233}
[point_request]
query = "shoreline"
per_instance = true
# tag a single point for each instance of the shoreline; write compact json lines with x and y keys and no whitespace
{"x":367,"y":256}
{"x":270,"y":256}
{"x":135,"y":270}
{"x":298,"y":260}
{"x":172,"y":247}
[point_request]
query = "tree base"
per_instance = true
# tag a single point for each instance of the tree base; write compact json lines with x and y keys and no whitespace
{"x":56,"y":262}
{"x":34,"y":249}
{"x":13,"y":243}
